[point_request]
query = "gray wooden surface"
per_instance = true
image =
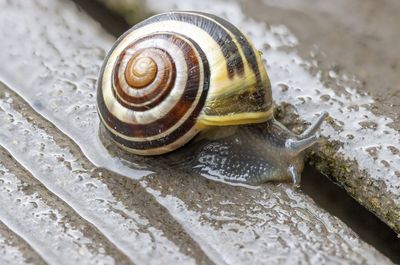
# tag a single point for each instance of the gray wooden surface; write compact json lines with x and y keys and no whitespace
{"x":64,"y":199}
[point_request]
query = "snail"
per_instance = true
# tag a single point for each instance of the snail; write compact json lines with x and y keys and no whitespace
{"x":178,"y":75}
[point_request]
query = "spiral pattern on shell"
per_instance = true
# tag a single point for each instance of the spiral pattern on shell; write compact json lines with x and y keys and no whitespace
{"x":155,"y":80}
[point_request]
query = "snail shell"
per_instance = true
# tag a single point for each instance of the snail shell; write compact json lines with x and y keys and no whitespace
{"x":178,"y":73}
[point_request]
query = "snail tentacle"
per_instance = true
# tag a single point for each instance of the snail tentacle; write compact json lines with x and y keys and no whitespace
{"x":297,"y":146}
{"x":314,"y":127}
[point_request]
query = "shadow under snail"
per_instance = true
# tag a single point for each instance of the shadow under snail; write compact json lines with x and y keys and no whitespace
{"x":179,"y":75}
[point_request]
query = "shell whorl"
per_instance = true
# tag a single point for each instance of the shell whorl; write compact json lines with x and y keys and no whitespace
{"x":152,"y":92}
{"x":168,"y":70}
{"x":145,"y":72}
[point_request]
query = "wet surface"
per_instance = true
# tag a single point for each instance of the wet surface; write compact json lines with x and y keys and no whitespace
{"x":61,"y":178}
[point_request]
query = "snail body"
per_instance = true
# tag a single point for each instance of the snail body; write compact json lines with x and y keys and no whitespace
{"x":177,"y":74}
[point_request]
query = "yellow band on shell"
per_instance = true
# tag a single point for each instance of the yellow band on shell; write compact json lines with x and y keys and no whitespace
{"x":235,"y":119}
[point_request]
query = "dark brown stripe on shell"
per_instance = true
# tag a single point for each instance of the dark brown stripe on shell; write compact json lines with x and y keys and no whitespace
{"x":229,"y":49}
{"x":249,"y":54}
{"x":246,"y":47}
